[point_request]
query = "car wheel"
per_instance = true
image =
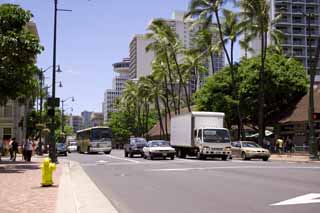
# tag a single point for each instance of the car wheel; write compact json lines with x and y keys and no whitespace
{"x":150,"y":156}
{"x":172,"y":157}
{"x":243,"y":156}
{"x":144,"y":156}
{"x":125,"y":154}
{"x":265,"y":158}
{"x":131,"y":155}
{"x":65,"y":154}
{"x":107,"y":153}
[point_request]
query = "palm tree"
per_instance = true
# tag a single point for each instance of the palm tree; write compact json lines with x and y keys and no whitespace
{"x":231,"y":29}
{"x":258,"y":24}
{"x":171,"y":46}
{"x":160,"y":34}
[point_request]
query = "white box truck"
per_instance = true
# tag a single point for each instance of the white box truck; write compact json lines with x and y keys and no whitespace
{"x":200,"y":134}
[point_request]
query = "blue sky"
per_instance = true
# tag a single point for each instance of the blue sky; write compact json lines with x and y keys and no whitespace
{"x":91,"y":38}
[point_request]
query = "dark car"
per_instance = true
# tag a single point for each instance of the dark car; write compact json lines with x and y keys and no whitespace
{"x":61,"y":149}
{"x":134,"y":146}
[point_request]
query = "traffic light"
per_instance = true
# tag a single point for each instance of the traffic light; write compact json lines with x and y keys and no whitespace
{"x":316,"y":116}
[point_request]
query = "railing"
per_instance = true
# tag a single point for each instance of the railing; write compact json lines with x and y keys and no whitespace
{"x":298,"y":32}
{"x":298,"y":43}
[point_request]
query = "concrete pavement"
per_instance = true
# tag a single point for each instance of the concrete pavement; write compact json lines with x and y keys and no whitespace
{"x":78,"y":194}
{"x":188,"y":185}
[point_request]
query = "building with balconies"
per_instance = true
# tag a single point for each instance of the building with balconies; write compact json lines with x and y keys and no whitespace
{"x":118,"y":84}
{"x":300,"y":30}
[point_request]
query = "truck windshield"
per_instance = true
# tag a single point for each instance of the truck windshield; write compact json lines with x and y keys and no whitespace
{"x":216,"y":136}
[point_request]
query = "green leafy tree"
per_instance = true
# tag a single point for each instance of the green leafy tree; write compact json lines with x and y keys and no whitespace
{"x":285,"y":77}
{"x":256,"y":15}
{"x":19,"y":47}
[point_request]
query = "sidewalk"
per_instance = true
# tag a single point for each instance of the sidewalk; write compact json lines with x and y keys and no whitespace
{"x":292,"y":157}
{"x":20,"y":188}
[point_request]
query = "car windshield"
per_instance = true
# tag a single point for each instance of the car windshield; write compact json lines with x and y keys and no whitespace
{"x":98,"y":134}
{"x":139,"y":140}
{"x":250,"y":145}
{"x":60,"y":145}
{"x":216,"y":136}
{"x":159,"y":144}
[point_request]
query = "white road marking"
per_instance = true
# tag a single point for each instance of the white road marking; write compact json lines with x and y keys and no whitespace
{"x":118,"y":158}
{"x":101,"y":162}
{"x":228,"y":167}
{"x":304,"y":199}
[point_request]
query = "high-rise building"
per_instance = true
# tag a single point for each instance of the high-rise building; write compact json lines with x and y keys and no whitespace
{"x":76,"y":122}
{"x":86,"y":116}
{"x":296,"y":26}
{"x":118,"y":83}
{"x":141,"y":59}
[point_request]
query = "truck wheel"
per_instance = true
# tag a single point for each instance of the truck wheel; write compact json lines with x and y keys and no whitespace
{"x":225,"y":157}
{"x":183,"y":154}
{"x":200,"y":156}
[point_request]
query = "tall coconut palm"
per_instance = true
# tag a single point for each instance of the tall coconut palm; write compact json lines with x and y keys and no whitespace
{"x":207,"y":11}
{"x":258,"y":25}
{"x":161,"y":36}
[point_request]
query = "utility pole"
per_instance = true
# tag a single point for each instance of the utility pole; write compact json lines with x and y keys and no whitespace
{"x":311,"y":68}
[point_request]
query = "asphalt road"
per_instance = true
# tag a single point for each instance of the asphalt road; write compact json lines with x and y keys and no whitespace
{"x":135,"y":185}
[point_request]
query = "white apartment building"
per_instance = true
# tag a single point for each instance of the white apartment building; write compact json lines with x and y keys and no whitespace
{"x":141,"y":60}
{"x":295,"y":26}
{"x":118,"y":83}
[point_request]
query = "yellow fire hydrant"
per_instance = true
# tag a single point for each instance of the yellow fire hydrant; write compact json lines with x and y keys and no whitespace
{"x":47,"y":169}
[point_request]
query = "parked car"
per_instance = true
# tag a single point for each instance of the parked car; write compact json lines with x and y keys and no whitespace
{"x":158,"y":148}
{"x":248,"y":150}
{"x":61,"y":149}
{"x":134,"y":146}
{"x":72,"y":147}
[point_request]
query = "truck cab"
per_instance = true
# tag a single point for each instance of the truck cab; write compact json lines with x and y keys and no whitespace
{"x":212,"y":142}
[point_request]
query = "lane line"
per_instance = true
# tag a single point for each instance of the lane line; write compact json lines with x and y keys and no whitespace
{"x":228,"y":167}
{"x":125,"y":159}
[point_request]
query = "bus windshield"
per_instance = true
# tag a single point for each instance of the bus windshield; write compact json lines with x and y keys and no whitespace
{"x":98,"y":134}
{"x":216,"y":136}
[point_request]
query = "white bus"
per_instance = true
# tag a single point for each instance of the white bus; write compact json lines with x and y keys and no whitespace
{"x":94,"y":140}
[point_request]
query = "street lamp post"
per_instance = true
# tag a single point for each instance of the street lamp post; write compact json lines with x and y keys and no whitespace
{"x":52,"y":153}
{"x":62,"y":111}
{"x":41,"y":78}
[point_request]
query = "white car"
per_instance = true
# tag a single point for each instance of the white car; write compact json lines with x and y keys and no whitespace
{"x":158,"y":148}
{"x":72,"y":147}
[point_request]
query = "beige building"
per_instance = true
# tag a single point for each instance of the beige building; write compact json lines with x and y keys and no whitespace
{"x":141,"y":60}
{"x":97,"y":119}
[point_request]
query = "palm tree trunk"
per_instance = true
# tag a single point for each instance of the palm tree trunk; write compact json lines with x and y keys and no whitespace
{"x":261,"y":87}
{"x":167,"y":97}
{"x":212,"y":65}
{"x":159,"y":116}
{"x":171,"y":84}
{"x":181,"y":80}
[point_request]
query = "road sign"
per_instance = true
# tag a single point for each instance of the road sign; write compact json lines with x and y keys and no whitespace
{"x":304,"y":199}
{"x":53,"y":102}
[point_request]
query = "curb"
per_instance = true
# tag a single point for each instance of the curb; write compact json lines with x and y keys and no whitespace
{"x":77,"y":193}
